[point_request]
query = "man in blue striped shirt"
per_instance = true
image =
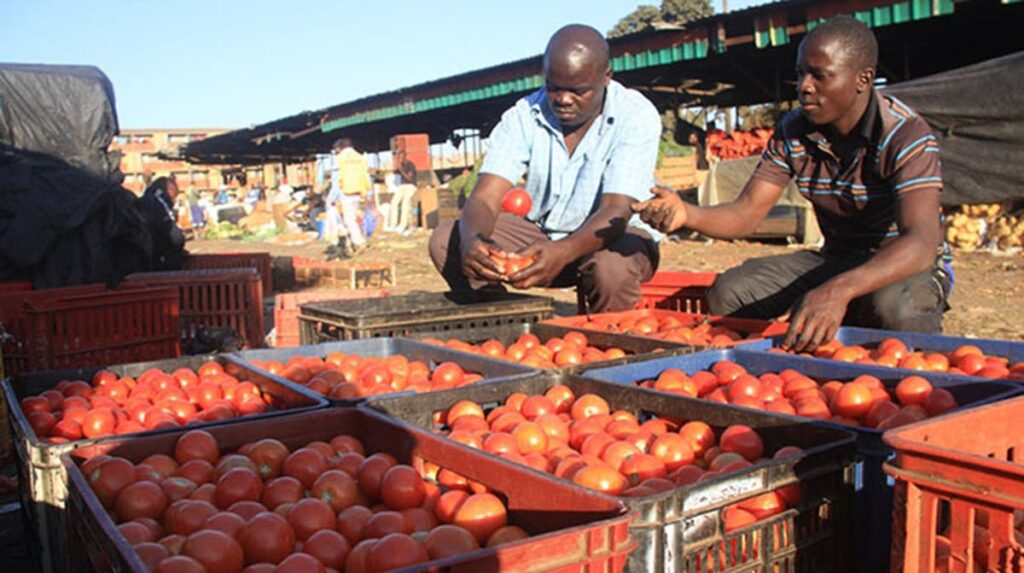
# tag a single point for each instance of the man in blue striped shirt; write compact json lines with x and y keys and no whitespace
{"x":870,"y":166}
{"x":588,"y":148}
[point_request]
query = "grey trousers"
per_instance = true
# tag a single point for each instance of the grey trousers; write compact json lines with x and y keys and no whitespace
{"x":767,"y":287}
{"x":608,"y":279}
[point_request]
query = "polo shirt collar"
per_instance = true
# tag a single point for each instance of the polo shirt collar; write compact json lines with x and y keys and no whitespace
{"x":869,"y":128}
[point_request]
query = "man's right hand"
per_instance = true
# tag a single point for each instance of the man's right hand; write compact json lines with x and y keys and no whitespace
{"x":477,"y":262}
{"x":666,"y":212}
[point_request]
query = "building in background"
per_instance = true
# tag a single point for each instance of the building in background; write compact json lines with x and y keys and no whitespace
{"x":150,"y":153}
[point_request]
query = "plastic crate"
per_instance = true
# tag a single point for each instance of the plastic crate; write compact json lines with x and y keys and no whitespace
{"x":873,"y":502}
{"x":573,"y":530}
{"x":42,"y":479}
{"x":15,"y":286}
{"x":431,"y":354}
{"x":870,"y":338}
{"x":230,"y":298}
{"x":953,"y":471}
{"x":679,"y":291}
{"x":286,"y":310}
{"x":636,"y":349}
{"x":259,"y":261}
{"x":753,"y":330}
{"x":318,"y":273}
{"x":88,"y":325}
{"x":677,"y":530}
{"x":670,"y":290}
{"x":417,"y":312}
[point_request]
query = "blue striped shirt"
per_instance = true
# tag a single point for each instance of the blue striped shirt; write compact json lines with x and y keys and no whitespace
{"x":617,"y":155}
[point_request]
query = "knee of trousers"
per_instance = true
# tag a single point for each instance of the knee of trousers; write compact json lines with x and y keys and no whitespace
{"x":607,"y":274}
{"x":723,"y":296}
{"x":908,"y":307}
{"x":439,"y":241}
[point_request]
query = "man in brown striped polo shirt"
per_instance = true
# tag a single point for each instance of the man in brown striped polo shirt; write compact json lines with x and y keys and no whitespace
{"x":870,"y":166}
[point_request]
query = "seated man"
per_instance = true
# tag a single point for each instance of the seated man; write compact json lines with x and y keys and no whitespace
{"x":870,"y":166}
{"x":590,"y":147}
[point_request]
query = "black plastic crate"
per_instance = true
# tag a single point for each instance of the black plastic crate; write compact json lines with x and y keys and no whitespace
{"x":679,"y":528}
{"x":872,"y":505}
{"x":636,"y":348}
{"x":431,"y":354}
{"x":42,"y":478}
{"x":417,"y":312}
{"x":572,"y":529}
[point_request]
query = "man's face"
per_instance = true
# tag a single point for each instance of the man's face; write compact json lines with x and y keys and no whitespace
{"x":172,"y":190}
{"x":826,"y":81}
{"x":575,"y":90}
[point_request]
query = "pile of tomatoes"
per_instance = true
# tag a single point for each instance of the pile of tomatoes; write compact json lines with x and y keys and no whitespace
{"x":664,"y":326}
{"x":326,"y":506}
{"x":76,"y":409}
{"x":863,"y":401}
{"x":580,"y":439}
{"x":894,"y":353}
{"x":573,"y":348}
{"x":346,"y":376}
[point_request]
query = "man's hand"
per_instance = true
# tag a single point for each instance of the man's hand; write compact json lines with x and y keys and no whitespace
{"x":477,"y":262}
{"x":550,"y":257}
{"x":815,"y":319}
{"x":665,"y":212}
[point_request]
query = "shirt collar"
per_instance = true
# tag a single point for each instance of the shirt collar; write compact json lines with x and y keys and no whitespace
{"x":869,"y":128}
{"x":542,"y":111}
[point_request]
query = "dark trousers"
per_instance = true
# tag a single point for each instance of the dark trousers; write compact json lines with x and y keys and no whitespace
{"x":767,"y":287}
{"x":608,"y":279}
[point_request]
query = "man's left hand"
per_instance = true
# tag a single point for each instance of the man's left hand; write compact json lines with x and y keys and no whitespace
{"x":815,"y":320}
{"x":550,"y":257}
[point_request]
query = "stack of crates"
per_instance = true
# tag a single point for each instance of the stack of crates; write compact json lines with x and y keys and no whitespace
{"x":259,"y":261}
{"x":286,"y":310}
{"x":959,"y":491}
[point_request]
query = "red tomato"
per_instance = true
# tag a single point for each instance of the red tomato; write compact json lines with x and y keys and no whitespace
{"x":186,"y":516}
{"x":217,"y":551}
{"x":337,"y":489}
{"x":447,"y":540}
{"x":196,"y":445}
{"x":517,"y":202}
{"x":742,"y":440}
{"x":329,"y":547}
{"x":394,"y":551}
{"x":237,"y":484}
{"x":266,"y":538}
{"x":402,"y":488}
{"x":309,"y":516}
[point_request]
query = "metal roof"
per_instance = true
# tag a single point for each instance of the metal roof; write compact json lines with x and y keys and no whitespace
{"x":735,"y":58}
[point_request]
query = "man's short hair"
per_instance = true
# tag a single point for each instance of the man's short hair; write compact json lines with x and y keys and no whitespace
{"x":857,"y":40}
{"x":342,"y":143}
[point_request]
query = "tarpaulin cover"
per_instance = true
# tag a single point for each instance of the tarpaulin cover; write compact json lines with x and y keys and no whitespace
{"x":61,"y":226}
{"x":978,"y":114}
{"x":61,"y":111}
{"x":64,"y":217}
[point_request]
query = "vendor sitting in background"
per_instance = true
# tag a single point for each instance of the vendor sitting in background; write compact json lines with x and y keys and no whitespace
{"x":168,"y":240}
{"x":870,"y":166}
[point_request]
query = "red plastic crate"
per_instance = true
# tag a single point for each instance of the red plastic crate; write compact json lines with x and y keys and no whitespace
{"x":954,"y":474}
{"x":214,"y":298}
{"x":572,"y":529}
{"x":259,"y":261}
{"x":749,"y":328}
{"x":317,"y":273}
{"x":22,"y":352}
{"x":286,"y":310}
{"x":15,"y":286}
{"x":677,"y":290}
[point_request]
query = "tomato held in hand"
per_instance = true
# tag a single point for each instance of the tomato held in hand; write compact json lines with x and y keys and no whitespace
{"x":517,"y":202}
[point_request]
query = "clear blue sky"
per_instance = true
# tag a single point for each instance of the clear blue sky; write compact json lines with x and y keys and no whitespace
{"x":233,"y":63}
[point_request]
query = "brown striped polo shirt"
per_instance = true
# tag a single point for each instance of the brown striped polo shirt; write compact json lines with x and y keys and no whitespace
{"x":857,"y":204}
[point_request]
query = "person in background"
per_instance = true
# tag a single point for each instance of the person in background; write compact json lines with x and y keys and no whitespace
{"x":283,"y":204}
{"x":349,"y":183}
{"x":168,"y":240}
{"x":198,"y":217}
{"x":870,"y":166}
{"x":590,"y":146}
{"x":401,"y":198}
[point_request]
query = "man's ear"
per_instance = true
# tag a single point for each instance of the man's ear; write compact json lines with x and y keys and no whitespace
{"x":865,"y":79}
{"x":608,"y":75}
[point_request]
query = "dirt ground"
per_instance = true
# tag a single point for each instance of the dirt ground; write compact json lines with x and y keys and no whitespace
{"x":987,"y":301}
